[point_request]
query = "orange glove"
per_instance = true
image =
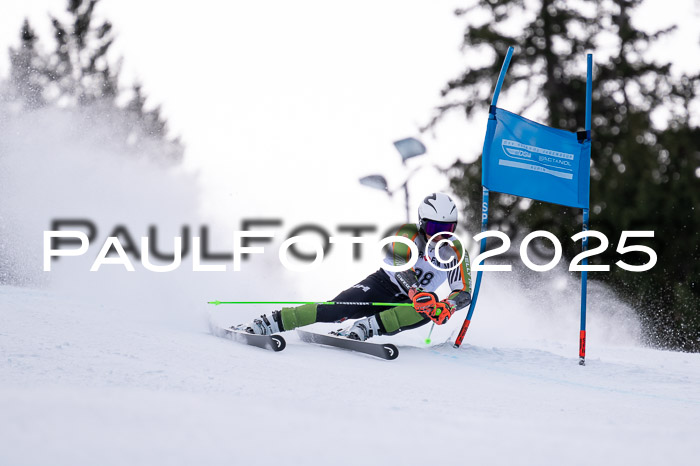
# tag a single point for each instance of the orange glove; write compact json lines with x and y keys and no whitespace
{"x":423,"y":301}
{"x":440,"y":314}
{"x":443,"y":312}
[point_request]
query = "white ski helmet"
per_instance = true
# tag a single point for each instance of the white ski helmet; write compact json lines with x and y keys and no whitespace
{"x":436,"y":213}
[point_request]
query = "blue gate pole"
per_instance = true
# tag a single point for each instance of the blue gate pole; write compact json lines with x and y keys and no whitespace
{"x":584,"y":286}
{"x":584,"y":243}
{"x":477,"y":285}
{"x":485,"y":192}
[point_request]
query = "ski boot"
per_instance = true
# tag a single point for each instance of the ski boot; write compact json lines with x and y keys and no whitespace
{"x":264,"y":325}
{"x":361,"y":330}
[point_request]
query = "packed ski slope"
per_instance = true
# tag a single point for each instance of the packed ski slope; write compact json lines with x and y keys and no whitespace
{"x":84,"y":383}
{"x":119,"y":368}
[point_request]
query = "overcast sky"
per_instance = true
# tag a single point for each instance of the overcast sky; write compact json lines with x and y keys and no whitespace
{"x":284,"y":105}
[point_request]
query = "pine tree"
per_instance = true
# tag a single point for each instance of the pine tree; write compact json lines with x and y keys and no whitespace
{"x":26,"y":66}
{"x":643,"y":173}
{"x":78,"y":73}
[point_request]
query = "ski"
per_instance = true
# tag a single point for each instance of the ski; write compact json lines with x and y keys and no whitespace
{"x":380,"y":350}
{"x":270,"y":342}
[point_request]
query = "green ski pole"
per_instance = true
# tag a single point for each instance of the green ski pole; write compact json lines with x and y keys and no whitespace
{"x":355,"y":303}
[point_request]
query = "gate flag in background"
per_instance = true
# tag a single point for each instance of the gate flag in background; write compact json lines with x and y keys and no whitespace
{"x":528,"y":159}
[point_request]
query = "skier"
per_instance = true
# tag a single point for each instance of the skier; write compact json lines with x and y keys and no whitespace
{"x":436,"y":213}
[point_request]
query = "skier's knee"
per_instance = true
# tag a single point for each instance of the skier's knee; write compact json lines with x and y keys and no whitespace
{"x":400,"y":318}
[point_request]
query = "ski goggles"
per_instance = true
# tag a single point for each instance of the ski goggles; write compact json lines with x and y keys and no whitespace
{"x":432,"y":227}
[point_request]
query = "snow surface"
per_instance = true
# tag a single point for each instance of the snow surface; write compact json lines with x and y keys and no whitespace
{"x":86,"y":383}
{"x":118,"y":368}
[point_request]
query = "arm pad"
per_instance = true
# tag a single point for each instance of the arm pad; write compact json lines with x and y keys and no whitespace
{"x":461,"y":299}
{"x":407,"y":279}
